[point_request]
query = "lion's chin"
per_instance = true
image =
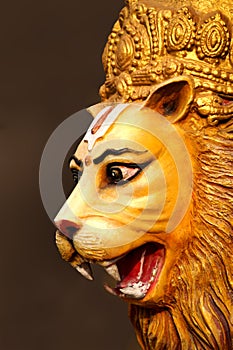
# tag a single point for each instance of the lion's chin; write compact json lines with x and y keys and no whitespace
{"x":136,"y":272}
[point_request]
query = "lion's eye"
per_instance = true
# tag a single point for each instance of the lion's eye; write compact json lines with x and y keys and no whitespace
{"x":114,"y":175}
{"x":120,"y":174}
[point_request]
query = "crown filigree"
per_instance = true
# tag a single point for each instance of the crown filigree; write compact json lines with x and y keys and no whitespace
{"x":156,"y":40}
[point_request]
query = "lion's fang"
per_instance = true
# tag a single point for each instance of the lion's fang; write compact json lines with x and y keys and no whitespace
{"x":141,"y":265}
{"x":113,"y":271}
{"x":110,"y":290}
{"x":85,"y":270}
{"x":154,"y":273}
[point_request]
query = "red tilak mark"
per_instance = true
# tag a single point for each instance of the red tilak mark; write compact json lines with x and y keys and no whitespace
{"x":97,"y":126}
{"x":88,"y":161}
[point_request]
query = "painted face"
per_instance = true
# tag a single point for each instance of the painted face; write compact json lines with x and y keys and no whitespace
{"x":129,"y":196}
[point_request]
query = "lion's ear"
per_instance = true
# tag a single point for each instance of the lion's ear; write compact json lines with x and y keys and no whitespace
{"x":172,"y":98}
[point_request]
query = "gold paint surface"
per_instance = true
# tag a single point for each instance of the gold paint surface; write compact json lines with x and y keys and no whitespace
{"x":155,"y":40}
{"x":154,"y":44}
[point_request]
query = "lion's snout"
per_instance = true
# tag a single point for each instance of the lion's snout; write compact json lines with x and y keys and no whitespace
{"x":68,"y":228}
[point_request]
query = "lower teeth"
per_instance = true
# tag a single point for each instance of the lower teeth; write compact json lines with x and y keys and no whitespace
{"x":138,"y":289}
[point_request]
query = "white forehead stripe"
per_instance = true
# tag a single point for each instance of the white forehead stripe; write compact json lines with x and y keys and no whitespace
{"x":92,"y":138}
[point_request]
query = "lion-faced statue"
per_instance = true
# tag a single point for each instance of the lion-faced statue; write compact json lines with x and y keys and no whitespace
{"x":153,"y":204}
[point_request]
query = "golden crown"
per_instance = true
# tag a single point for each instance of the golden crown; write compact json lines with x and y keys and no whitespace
{"x":154,"y":40}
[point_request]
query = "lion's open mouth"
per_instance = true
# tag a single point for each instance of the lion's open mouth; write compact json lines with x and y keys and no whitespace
{"x":137,"y":271}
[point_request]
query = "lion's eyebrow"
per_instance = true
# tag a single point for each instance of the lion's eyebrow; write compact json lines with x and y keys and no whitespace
{"x":116,"y":152}
{"x":78,"y":162}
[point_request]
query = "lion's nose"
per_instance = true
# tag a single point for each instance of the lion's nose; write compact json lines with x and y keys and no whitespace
{"x":68,"y":228}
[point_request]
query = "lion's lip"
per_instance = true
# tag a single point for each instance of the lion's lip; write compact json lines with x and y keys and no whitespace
{"x":108,"y":263}
{"x":136,"y":271}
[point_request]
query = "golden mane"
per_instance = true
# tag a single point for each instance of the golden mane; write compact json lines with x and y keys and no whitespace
{"x":201,"y":309}
{"x":198,"y":315}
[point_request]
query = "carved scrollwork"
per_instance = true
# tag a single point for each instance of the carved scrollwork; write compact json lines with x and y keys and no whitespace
{"x":124,"y":53}
{"x":213,"y":38}
{"x":153,"y":41}
{"x":181,"y":31}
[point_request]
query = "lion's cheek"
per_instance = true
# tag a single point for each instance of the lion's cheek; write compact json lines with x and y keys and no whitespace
{"x":161,"y":292}
{"x":175,"y":244}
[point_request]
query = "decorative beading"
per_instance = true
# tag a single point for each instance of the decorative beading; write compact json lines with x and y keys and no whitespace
{"x":149,"y":44}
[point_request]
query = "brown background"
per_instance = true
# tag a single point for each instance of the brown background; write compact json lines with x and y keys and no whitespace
{"x":50,"y":63}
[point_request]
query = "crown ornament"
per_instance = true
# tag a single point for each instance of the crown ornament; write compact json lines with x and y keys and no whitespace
{"x":154,"y":40}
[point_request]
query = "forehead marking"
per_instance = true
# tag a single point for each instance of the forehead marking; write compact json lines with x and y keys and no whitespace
{"x":102,"y":123}
{"x":88,"y":160}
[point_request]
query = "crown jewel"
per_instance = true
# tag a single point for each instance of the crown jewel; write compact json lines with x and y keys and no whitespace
{"x":156,"y":40}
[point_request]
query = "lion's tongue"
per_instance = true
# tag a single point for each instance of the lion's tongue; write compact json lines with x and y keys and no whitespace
{"x":139,"y":269}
